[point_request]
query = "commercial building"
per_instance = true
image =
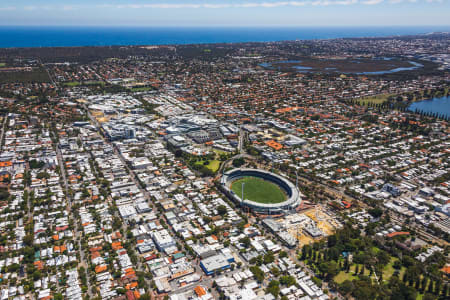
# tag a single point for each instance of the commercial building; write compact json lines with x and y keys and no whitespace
{"x":213,"y":263}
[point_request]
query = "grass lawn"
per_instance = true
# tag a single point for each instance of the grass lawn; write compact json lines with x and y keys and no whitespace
{"x":259,"y":190}
{"x":71,"y":83}
{"x":86,"y":83}
{"x":94,"y":83}
{"x":218,"y":152}
{"x":213,"y":165}
{"x":343,"y":276}
{"x":375,"y":249}
{"x":141,"y":89}
{"x":388,"y":271}
{"x":375,"y":99}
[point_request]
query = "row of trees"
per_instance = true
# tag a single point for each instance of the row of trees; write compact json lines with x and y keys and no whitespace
{"x":330,"y":258}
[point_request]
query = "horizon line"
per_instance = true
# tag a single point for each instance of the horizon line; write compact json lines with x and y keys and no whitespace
{"x":225,"y":25}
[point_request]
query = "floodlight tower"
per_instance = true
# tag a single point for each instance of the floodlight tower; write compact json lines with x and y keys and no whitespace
{"x":242,"y":197}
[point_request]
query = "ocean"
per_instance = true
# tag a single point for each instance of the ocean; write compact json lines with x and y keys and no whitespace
{"x":26,"y":36}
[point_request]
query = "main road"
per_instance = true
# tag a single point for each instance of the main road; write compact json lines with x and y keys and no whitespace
{"x":3,"y":131}
{"x":78,"y":234}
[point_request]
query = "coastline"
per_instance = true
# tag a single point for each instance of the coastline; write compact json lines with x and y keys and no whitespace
{"x":86,"y":36}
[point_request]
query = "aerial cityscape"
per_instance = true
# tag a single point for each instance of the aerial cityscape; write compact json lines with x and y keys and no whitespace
{"x":262,"y":168}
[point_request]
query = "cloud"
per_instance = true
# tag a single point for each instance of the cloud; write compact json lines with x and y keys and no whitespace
{"x":232,"y":5}
{"x":69,"y":7}
{"x":7,"y":8}
{"x":215,"y":5}
{"x":256,"y":4}
{"x":372,"y":2}
{"x":30,"y":7}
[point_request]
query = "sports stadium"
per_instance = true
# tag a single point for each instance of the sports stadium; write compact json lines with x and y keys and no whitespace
{"x":261,"y":191}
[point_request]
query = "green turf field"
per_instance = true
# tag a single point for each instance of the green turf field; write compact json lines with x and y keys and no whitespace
{"x":258,"y":190}
{"x":213,"y":165}
{"x":141,"y":89}
{"x":374,"y":99}
{"x":71,"y":83}
{"x":86,"y":83}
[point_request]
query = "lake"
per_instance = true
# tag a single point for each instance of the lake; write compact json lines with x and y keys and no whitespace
{"x":360,"y":66}
{"x":439,"y":105}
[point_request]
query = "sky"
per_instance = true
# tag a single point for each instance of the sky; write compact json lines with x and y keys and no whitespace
{"x":225,"y":12}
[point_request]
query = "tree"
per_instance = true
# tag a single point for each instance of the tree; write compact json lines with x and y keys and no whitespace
{"x":275,"y":271}
{"x":346,"y":265}
{"x":245,"y":241}
{"x":258,"y":273}
{"x":411,"y":274}
{"x":329,"y":269}
{"x":141,"y":281}
{"x":437,"y":287}
{"x":34,"y":164}
{"x":206,"y":171}
{"x":273,"y":288}
{"x":42,"y":175}
{"x":401,"y":291}
{"x":238,"y":162}
{"x":221,"y":210}
{"x":287,"y":280}
{"x":445,"y":290}
{"x":429,"y":296}
{"x":269,"y":258}
{"x":424,"y":283}
{"x":317,"y":281}
{"x":417,"y":283}
{"x":430,"y":286}
{"x":332,"y":240}
{"x":4,"y":194}
{"x":282,"y":254}
{"x":28,"y":239}
{"x":383,"y":257}
{"x":58,"y":296}
{"x":408,"y":261}
{"x":178,"y":153}
{"x":323,"y":268}
{"x":305,"y":250}
{"x":346,"y":287}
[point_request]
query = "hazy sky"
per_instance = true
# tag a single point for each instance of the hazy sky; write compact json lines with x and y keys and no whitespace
{"x":225,"y":12}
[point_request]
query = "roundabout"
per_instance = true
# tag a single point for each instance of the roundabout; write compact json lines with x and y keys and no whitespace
{"x":263,"y":192}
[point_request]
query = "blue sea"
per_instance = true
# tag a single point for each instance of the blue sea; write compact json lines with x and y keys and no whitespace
{"x":26,"y":36}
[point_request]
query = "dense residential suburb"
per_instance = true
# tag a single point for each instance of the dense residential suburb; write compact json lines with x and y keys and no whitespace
{"x":282,"y":170}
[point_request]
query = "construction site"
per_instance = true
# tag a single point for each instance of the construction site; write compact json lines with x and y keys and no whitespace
{"x":310,"y":225}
